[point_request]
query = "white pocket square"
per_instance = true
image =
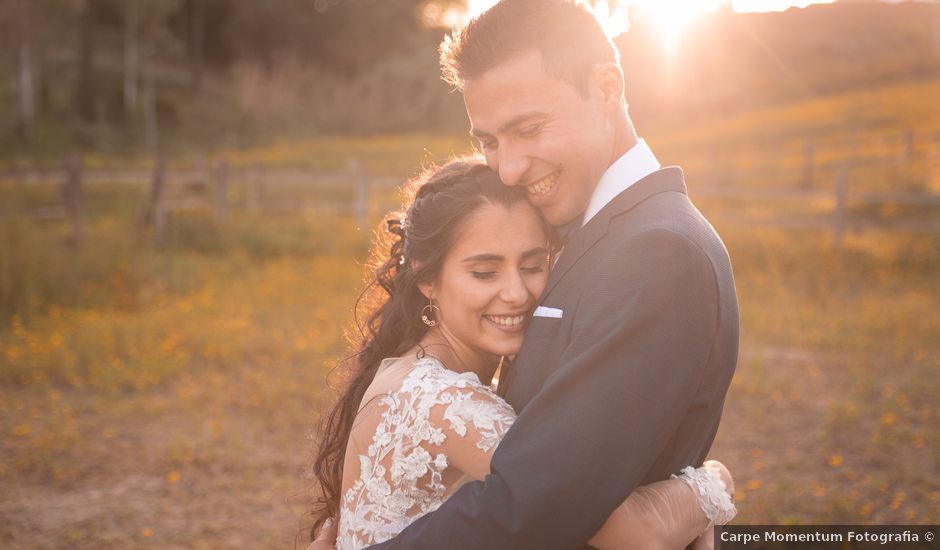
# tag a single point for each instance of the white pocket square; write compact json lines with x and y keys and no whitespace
{"x":550,"y":312}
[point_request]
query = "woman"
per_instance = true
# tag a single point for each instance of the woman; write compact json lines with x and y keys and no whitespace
{"x":466,"y":264}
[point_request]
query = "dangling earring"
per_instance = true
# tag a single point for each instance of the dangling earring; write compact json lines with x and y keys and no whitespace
{"x":429,"y":310}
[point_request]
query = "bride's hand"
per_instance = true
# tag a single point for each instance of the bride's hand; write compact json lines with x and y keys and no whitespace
{"x":706,"y":541}
{"x":724,"y":474}
{"x":326,"y":540}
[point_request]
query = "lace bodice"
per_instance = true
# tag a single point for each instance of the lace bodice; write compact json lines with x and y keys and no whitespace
{"x":432,"y":434}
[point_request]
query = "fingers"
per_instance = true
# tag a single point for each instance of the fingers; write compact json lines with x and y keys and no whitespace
{"x":724,"y":474}
{"x":326,"y":539}
{"x":705,"y":541}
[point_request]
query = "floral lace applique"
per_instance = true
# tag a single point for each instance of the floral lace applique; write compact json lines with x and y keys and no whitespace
{"x":401,"y":476}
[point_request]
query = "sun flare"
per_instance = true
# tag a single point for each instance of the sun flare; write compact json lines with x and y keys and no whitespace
{"x":673,"y":17}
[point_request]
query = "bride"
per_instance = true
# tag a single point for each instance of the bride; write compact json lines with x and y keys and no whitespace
{"x":457,"y":278}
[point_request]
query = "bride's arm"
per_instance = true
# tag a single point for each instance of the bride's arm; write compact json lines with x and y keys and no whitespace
{"x":661,"y":515}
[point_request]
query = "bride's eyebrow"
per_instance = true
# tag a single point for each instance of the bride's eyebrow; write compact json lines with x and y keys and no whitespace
{"x":538,"y":252}
{"x":489,"y":257}
{"x":484,"y":258}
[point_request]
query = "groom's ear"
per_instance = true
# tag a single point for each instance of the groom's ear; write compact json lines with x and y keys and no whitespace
{"x":607,"y":82}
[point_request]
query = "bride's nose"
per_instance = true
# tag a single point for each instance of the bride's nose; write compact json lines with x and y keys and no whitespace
{"x":514,"y":290}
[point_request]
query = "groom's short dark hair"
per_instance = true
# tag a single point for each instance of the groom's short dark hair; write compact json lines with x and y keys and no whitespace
{"x":566,"y":33}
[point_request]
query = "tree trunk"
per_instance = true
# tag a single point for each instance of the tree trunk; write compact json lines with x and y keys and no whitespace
{"x":27,"y":97}
{"x":151,"y":130}
{"x":196,"y":11}
{"x":131,"y":58}
{"x":84,"y":98}
{"x":26,"y":108}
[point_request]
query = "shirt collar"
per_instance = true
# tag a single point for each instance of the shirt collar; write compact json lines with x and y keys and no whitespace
{"x":637,"y":163}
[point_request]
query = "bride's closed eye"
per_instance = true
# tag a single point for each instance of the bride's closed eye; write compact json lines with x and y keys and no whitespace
{"x":483,"y":274}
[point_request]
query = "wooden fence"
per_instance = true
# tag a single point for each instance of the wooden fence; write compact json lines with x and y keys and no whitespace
{"x":208,"y":187}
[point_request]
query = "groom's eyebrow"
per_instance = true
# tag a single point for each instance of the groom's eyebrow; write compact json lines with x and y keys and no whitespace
{"x":513,"y":122}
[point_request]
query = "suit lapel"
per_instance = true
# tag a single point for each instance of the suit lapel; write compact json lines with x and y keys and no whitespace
{"x":580,"y":240}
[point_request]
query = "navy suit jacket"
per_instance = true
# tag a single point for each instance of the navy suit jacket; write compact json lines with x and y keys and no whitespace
{"x":624,"y":389}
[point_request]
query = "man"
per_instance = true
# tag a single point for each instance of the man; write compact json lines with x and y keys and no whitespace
{"x":625,"y":366}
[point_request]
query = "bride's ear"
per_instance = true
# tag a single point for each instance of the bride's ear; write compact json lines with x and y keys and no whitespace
{"x":427,"y":289}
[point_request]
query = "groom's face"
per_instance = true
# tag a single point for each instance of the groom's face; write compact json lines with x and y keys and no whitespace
{"x":539,"y":132}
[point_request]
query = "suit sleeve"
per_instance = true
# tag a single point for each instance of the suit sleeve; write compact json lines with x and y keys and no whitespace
{"x":640,"y":342}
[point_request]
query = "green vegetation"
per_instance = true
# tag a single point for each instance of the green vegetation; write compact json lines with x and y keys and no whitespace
{"x":184,"y":76}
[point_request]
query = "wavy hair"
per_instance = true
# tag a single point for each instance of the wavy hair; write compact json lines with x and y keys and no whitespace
{"x":403,"y":255}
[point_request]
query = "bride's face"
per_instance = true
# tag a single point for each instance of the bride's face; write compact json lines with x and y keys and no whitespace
{"x":492,"y":278}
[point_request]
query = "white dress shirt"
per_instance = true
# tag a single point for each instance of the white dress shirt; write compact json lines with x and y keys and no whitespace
{"x":634,"y":165}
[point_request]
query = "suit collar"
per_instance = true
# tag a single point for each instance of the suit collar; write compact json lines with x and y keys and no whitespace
{"x":634,"y":165}
{"x":581,"y":239}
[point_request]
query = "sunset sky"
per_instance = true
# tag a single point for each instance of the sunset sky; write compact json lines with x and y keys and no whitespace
{"x":692,"y":5}
{"x":672,"y":16}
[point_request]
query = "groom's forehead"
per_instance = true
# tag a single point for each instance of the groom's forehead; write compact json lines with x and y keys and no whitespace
{"x":515,"y":86}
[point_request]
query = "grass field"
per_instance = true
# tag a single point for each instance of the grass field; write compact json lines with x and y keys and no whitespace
{"x":165,"y":396}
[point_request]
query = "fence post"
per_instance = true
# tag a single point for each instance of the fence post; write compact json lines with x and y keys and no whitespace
{"x":202,"y":174}
{"x":156,"y":208}
{"x":361,"y":197}
{"x":809,"y":164}
{"x":72,"y":196}
{"x":908,"y":138}
{"x":254,"y":193}
{"x":220,"y":189}
{"x":841,"y":192}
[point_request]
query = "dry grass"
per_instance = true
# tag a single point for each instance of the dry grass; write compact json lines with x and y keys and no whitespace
{"x":831,"y":418}
{"x":188,"y":423}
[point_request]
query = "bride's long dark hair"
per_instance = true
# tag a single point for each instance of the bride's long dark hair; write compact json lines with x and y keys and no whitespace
{"x":409,"y":249}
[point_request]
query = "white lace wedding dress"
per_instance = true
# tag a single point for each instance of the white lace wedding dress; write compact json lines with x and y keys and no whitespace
{"x":421,"y":433}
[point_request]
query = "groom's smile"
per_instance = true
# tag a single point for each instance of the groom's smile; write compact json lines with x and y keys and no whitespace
{"x":543,"y":185}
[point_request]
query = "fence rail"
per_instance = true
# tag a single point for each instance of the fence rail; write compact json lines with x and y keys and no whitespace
{"x":207,"y":187}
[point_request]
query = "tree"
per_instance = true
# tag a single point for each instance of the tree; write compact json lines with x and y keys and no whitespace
{"x":131,"y":56}
{"x":84,"y":94}
{"x":24,"y":86}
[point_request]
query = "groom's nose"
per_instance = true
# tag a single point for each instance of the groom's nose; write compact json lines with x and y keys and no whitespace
{"x":512,"y":164}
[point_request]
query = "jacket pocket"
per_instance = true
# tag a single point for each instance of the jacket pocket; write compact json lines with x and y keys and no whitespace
{"x":543,"y":327}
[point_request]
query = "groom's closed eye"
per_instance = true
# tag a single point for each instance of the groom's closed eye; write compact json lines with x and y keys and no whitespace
{"x":530,"y":131}
{"x":486,"y":141}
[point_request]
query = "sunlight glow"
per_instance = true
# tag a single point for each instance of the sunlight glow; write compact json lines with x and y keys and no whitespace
{"x":617,"y":9}
{"x":671,"y":17}
{"x":772,"y":5}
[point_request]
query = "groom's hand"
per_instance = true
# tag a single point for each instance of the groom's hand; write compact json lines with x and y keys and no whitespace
{"x":326,"y":540}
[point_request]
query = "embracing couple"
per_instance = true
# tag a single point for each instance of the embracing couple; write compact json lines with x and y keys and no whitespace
{"x":568,"y":259}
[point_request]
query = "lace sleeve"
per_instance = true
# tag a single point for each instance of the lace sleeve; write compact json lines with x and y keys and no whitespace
{"x":411,"y":445}
{"x":473,"y":420}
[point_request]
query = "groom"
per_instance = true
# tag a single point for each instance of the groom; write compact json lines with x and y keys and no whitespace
{"x":625,"y":366}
